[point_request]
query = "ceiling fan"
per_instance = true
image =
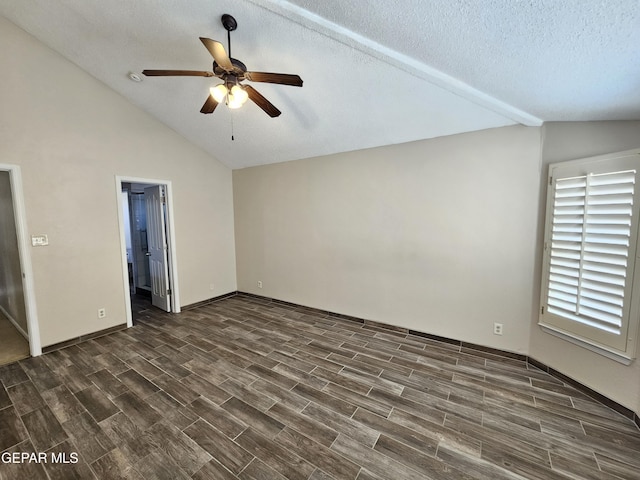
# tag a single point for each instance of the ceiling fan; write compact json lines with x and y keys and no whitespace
{"x":232,"y":72}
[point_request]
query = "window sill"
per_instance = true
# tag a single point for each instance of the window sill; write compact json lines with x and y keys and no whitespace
{"x":611,"y":354}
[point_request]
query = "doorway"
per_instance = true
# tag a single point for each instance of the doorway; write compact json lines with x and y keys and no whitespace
{"x":148,"y":246}
{"x":19,"y":334}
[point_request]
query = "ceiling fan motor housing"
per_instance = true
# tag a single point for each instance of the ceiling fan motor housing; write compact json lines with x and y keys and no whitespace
{"x":238,"y":69}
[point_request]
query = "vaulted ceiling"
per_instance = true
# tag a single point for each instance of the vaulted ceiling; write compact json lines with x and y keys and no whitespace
{"x":376,"y":72}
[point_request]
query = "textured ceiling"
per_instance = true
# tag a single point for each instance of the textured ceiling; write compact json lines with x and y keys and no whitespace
{"x":376,"y":72}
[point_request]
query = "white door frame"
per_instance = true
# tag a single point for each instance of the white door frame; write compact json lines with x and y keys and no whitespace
{"x":171,"y":241}
{"x":24,"y":252}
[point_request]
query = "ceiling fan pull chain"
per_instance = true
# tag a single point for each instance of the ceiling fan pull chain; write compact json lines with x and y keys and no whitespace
{"x":231,"y":116}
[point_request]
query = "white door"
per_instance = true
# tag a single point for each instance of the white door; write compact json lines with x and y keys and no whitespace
{"x":157,"y":242}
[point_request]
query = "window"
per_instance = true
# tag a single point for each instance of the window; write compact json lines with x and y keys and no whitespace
{"x":588,"y":291}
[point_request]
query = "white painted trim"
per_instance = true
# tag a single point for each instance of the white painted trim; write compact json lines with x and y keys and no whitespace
{"x":123,"y":252}
{"x":410,"y":65}
{"x":15,"y":324}
{"x":571,"y":338}
{"x":24,"y":252}
{"x":173,"y":260}
{"x":171,"y":240}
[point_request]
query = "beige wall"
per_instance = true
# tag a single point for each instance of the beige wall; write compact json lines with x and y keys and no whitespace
{"x":568,"y":141}
{"x":71,"y":136}
{"x":437,"y":235}
{"x":11,"y":294}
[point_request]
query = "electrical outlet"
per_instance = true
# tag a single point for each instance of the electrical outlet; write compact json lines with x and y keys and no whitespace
{"x":497,"y":329}
{"x":259,"y":283}
{"x":102,"y":312}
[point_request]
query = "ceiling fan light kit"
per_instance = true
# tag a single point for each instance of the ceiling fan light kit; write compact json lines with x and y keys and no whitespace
{"x":232,"y":72}
{"x":234,"y":97}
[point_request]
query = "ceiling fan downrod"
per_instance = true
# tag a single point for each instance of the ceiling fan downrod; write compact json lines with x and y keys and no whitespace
{"x":230,"y":24}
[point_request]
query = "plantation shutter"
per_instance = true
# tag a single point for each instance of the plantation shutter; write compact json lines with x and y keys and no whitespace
{"x":590,"y":251}
{"x":590,"y":248}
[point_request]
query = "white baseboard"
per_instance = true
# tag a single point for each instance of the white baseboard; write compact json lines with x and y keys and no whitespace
{"x":15,"y":324}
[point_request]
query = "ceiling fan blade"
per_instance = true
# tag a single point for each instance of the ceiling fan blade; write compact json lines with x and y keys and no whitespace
{"x":262,"y":102}
{"x":219,"y":54}
{"x":210,"y":105}
{"x":177,"y":73}
{"x":280,"y":78}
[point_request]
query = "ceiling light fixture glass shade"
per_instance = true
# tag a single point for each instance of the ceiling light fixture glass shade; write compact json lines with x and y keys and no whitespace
{"x":219,"y":92}
{"x":237,"y":97}
{"x":234,"y":98}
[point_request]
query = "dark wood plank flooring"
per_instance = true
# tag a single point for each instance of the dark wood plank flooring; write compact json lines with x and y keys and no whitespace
{"x":249,"y":389}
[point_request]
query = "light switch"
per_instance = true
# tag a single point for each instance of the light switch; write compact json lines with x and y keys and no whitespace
{"x":39,"y":240}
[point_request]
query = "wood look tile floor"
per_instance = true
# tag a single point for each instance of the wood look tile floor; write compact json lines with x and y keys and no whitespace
{"x":248,"y":389}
